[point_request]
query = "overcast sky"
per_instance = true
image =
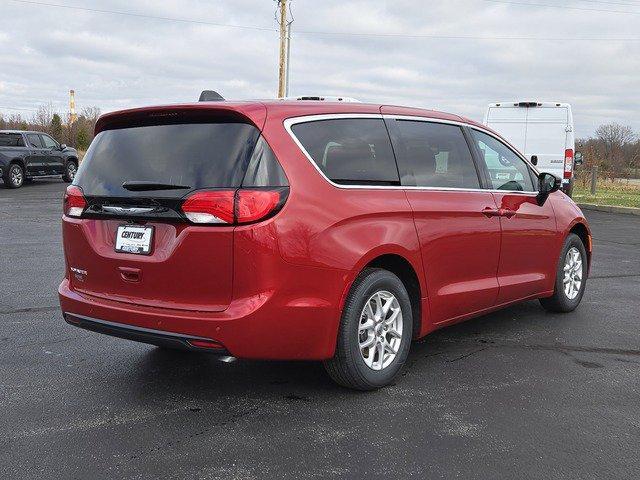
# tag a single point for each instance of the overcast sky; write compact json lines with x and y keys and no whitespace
{"x":116,"y":61}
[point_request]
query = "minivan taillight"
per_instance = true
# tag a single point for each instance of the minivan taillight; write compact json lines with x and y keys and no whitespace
{"x":568,"y":163}
{"x":74,"y":202}
{"x":233,"y":206}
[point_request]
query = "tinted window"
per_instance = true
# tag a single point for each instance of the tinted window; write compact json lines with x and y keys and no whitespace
{"x":11,"y":140}
{"x":434,"y":155}
{"x":195,"y":155}
{"x":34,"y":140}
{"x":264,"y":170}
{"x":506,"y":169}
{"x":48,"y":142}
{"x":349,"y":150}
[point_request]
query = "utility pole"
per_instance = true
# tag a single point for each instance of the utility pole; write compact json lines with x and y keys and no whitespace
{"x":282,"y":73}
{"x":286,"y":88}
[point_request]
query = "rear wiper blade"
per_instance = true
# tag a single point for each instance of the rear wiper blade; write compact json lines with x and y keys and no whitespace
{"x":140,"y":186}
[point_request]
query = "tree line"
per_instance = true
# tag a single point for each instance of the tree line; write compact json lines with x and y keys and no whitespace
{"x":614,"y":149}
{"x":77,"y":134}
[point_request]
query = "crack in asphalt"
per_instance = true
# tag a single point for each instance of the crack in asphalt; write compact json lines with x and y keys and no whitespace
{"x":555,"y":348}
{"x":624,"y":275}
{"x":30,"y":309}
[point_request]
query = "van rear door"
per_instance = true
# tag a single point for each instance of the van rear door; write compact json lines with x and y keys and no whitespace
{"x":510,"y":122}
{"x":547,"y":137}
{"x":132,"y":243}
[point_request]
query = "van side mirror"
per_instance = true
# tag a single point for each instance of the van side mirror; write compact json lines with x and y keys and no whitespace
{"x":534,"y":160}
{"x":63,"y":146}
{"x":547,"y":184}
{"x":578,"y":158}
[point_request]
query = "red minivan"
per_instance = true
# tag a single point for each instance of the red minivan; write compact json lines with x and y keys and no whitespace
{"x":309,"y":230}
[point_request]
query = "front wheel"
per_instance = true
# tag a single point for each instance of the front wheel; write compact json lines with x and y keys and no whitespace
{"x":14,"y":177}
{"x":70,"y":171}
{"x":571,"y":277}
{"x":375,"y":332}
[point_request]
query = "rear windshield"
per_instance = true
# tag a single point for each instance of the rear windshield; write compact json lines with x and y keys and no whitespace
{"x":200,"y":155}
{"x":11,"y":140}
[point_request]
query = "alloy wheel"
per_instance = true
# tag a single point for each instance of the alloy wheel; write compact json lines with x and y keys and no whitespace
{"x":15,"y":176}
{"x":572,"y":281}
{"x":380,"y":330}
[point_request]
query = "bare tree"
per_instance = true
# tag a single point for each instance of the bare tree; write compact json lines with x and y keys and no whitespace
{"x":42,"y":118}
{"x":614,"y":140}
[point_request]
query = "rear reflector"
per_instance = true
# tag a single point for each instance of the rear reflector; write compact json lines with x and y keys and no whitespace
{"x":231,"y":207}
{"x":74,"y":202}
{"x":568,"y":163}
{"x":205,"y":344}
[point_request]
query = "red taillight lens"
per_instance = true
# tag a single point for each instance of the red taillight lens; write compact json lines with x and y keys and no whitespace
{"x":253,"y":205}
{"x":74,"y":202}
{"x":568,"y":163}
{"x":233,"y":206}
{"x":213,"y":206}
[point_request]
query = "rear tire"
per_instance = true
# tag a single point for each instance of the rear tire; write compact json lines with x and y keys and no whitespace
{"x":375,"y":332}
{"x":571,"y":277}
{"x":14,"y":176}
{"x":70,"y":170}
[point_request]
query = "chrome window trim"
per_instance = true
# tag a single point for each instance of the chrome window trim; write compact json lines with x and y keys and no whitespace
{"x":289,"y":122}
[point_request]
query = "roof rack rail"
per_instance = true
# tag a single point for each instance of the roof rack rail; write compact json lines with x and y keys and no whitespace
{"x":324,"y":98}
{"x":210,"y":96}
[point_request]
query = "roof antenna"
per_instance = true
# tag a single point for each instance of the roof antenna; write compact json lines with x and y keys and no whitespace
{"x":210,"y":96}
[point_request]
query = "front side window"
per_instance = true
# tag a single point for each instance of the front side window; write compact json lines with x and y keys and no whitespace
{"x":34,"y":140}
{"x":48,"y":142}
{"x":354,"y":151}
{"x":506,"y":169}
{"x":434,"y":155}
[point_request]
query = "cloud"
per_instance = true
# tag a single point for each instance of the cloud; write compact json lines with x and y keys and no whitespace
{"x":115,"y":61}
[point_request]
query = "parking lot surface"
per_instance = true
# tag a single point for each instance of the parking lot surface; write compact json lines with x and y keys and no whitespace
{"x":519,"y":393}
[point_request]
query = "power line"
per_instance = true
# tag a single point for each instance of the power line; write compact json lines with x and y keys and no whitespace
{"x":350,"y":34}
{"x":566,"y":7}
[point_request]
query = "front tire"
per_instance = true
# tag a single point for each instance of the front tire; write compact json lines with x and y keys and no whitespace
{"x":70,"y":170}
{"x":14,"y":178}
{"x":375,"y":332}
{"x":571,"y":277}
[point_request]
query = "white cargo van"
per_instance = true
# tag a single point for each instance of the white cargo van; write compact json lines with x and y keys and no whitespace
{"x":543,"y":131}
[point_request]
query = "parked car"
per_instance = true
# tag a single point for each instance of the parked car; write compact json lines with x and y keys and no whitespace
{"x":543,"y":131}
{"x":306,"y":230}
{"x":26,"y":155}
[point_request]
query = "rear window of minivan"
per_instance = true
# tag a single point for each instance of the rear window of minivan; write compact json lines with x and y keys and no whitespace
{"x":354,"y":151}
{"x":194,"y":155}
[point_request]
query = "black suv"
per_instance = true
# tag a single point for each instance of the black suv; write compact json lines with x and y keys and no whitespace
{"x":25,"y":155}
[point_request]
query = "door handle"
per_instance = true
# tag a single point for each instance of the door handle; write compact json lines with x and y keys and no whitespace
{"x":499,"y":212}
{"x":491,"y":212}
{"x":128,"y":274}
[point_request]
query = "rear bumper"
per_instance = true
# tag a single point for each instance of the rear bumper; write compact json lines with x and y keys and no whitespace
{"x":265,"y":326}
{"x":139,"y":334}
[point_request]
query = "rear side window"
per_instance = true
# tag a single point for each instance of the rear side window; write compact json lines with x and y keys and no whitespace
{"x":264,"y":169}
{"x":354,"y":151}
{"x":434,"y":155}
{"x":199,"y":155}
{"x":11,"y":140}
{"x":506,"y":169}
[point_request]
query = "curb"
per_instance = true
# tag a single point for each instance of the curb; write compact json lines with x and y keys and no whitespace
{"x":610,"y":208}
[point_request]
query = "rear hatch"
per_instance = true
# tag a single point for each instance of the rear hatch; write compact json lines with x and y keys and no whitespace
{"x":128,"y":233}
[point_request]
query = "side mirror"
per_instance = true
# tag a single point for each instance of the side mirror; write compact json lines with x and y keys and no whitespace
{"x":63,"y":146}
{"x":534,"y":160}
{"x":547,"y":184}
{"x":577,"y":158}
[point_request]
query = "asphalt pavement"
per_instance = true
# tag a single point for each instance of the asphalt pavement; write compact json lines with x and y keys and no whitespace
{"x":518,"y":394}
